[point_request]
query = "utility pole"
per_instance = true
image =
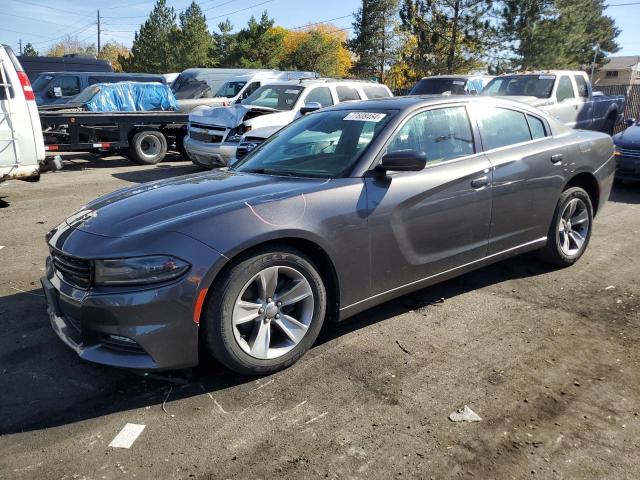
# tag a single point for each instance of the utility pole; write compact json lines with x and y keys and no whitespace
{"x":98,"y":32}
{"x":593,"y":65}
{"x":20,"y":43}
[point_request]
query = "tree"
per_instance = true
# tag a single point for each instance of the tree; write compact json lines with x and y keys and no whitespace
{"x":319,"y":49}
{"x":258,"y":45}
{"x":373,"y":41}
{"x":193,"y":42}
{"x":451,"y":35}
{"x":69,"y":45}
{"x":113,"y":52}
{"x":153,"y":50}
{"x":224,"y":43}
{"x":545,"y":34}
{"x":29,"y":51}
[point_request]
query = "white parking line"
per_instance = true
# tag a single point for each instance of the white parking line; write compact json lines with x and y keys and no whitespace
{"x":129,"y":434}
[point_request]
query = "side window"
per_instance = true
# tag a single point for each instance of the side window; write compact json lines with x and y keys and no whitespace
{"x":322,"y":95}
{"x":69,"y":86}
{"x":5,"y":85}
{"x":250,"y":89}
{"x":347,"y":93}
{"x":373,"y":92}
{"x":536,"y":126}
{"x":583,"y":90}
{"x":442,"y":134}
{"x":565,"y":89}
{"x":500,"y":127}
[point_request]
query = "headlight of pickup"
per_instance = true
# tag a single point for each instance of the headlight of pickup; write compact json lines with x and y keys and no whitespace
{"x":139,"y":270}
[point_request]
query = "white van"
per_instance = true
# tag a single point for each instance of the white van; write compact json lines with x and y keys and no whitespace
{"x":217,"y":87}
{"x":214,"y":133}
{"x":21,"y":142}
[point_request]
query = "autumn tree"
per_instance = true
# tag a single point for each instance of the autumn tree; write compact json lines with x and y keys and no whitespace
{"x":113,"y":52}
{"x":320,"y":49}
{"x":69,"y":45}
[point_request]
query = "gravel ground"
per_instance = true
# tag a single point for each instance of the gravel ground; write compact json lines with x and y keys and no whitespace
{"x":548,"y":358}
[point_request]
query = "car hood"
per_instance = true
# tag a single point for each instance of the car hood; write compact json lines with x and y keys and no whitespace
{"x":229,"y":117}
{"x":629,"y":138}
{"x":170,"y":205}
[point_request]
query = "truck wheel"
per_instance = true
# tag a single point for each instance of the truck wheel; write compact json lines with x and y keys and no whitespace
{"x":610,"y":125}
{"x":180,"y":146}
{"x":148,"y":147}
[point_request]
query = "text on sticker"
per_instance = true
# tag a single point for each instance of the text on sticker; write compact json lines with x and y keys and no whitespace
{"x":365,"y":116}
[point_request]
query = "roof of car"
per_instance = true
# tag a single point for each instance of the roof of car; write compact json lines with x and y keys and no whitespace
{"x":411,"y":102}
{"x":306,"y":81}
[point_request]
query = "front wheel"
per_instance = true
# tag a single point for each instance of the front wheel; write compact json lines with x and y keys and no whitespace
{"x":147,"y":147}
{"x":570,"y":228}
{"x":265,"y":312}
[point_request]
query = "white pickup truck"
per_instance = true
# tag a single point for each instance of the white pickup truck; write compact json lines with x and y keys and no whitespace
{"x":566,"y":95}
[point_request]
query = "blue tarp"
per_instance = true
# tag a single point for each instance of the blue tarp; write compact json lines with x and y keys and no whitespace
{"x":131,"y":97}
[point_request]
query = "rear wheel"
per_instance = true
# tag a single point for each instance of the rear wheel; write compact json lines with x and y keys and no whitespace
{"x":610,"y":125}
{"x":570,"y":228}
{"x":147,"y":147}
{"x":265,"y":312}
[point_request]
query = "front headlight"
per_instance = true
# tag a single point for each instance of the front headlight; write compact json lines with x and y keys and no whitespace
{"x":139,"y":270}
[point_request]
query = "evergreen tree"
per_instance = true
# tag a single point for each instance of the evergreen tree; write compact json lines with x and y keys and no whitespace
{"x":373,"y":42}
{"x":451,"y":35}
{"x":29,"y":51}
{"x":257,"y":45}
{"x":224,"y":43}
{"x":193,"y":42}
{"x":153,"y":50}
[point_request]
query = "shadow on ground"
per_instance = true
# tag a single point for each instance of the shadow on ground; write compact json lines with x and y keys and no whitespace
{"x":45,"y":385}
{"x":625,"y":192}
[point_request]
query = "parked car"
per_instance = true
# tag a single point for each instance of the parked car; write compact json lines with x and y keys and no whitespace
{"x":567,"y":95}
{"x":21,"y":143}
{"x":249,"y":261}
{"x":71,"y":62}
{"x":627,"y":151}
{"x":214,"y":133}
{"x":59,"y":88}
{"x":216,"y":87}
{"x":451,"y":84}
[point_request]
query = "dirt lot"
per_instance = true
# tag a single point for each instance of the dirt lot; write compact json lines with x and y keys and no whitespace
{"x":548,"y":358}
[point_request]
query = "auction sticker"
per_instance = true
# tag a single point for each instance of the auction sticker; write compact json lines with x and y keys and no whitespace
{"x":365,"y":116}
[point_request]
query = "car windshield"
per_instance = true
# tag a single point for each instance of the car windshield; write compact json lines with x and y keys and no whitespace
{"x":539,"y":86}
{"x":438,"y":86}
{"x":278,"y":97}
{"x":320,"y":145}
{"x":41,"y":82}
{"x":230,"y":89}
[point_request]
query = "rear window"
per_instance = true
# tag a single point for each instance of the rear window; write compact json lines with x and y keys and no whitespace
{"x":346,"y":94}
{"x":438,"y":86}
{"x":375,"y":91}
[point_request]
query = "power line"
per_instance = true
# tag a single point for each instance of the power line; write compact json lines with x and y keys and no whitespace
{"x":40,"y":20}
{"x":242,"y":10}
{"x":322,"y":21}
{"x":21,"y":2}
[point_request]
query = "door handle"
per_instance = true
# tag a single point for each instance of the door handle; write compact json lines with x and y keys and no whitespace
{"x":557,"y":158}
{"x":478,"y":183}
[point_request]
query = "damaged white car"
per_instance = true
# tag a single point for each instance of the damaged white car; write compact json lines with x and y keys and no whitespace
{"x":215,"y":133}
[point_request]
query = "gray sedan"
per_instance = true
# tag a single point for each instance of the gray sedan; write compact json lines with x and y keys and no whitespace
{"x":344,"y":209}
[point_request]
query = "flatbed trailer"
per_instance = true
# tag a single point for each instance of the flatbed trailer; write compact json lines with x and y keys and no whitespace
{"x":143,"y":137}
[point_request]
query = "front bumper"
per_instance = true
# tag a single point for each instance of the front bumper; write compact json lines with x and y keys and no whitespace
{"x":147,"y":327}
{"x":628,"y":168}
{"x":210,"y":155}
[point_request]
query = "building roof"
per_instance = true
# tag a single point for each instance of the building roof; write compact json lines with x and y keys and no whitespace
{"x":622,"y":63}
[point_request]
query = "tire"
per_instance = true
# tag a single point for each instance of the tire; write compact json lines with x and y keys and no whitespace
{"x":610,"y":125}
{"x":232,"y":329}
{"x":147,"y":147}
{"x":563,"y":247}
{"x":181,"y":148}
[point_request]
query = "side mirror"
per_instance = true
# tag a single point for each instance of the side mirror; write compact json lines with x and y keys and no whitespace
{"x":473,"y":92}
{"x":310,"y":107}
{"x":50,"y":93}
{"x":630,"y":122}
{"x":403,"y":161}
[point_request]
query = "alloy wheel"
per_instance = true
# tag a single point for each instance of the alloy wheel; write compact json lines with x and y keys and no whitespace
{"x":574,"y":227}
{"x":273,"y":312}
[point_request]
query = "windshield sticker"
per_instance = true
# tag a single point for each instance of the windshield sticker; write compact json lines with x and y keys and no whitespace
{"x":365,"y":117}
{"x":546,"y":77}
{"x":458,"y":82}
{"x":292,"y":92}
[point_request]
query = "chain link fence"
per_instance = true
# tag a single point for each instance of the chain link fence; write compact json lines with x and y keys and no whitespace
{"x":632,"y":96}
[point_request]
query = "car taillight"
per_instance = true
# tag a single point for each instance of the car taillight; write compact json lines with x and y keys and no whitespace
{"x":26,"y":86}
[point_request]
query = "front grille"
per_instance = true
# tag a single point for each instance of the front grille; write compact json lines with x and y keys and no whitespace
{"x":626,"y":152}
{"x":73,"y":270}
{"x":205,"y":137}
{"x":206,"y":133}
{"x":249,"y":144}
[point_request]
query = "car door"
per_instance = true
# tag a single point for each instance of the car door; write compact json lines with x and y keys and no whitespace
{"x":585,"y":104}
{"x":527,"y":165}
{"x":567,"y":105}
{"x":424,"y":223}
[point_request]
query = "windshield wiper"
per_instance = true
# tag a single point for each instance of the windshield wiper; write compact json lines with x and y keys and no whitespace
{"x":265,"y":171}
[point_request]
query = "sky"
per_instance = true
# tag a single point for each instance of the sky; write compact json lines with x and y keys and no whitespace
{"x":42,"y":23}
